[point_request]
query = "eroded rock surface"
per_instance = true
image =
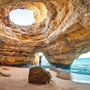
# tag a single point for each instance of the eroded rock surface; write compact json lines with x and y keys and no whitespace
{"x":61,"y":31}
{"x":39,"y":75}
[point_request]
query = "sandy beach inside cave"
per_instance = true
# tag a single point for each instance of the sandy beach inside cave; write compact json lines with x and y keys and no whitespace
{"x":19,"y":81}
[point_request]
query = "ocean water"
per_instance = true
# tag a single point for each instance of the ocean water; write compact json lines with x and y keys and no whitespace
{"x":79,"y":71}
{"x":81,"y":66}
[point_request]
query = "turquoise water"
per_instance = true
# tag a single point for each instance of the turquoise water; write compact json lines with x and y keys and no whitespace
{"x":81,"y":66}
{"x":79,"y":71}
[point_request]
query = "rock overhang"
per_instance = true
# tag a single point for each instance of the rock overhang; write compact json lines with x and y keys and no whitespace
{"x":61,"y":30}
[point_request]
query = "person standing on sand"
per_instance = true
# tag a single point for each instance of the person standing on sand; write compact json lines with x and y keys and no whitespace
{"x":40,"y":61}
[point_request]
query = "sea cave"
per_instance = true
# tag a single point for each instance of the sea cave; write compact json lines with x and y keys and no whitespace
{"x":45,"y":44}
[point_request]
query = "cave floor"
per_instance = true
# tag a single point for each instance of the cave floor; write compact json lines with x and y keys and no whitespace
{"x":19,"y":81}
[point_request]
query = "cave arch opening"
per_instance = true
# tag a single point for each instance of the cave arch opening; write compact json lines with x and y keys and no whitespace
{"x":44,"y":61}
{"x":22,"y":17}
{"x":83,"y":61}
{"x":80,"y":69}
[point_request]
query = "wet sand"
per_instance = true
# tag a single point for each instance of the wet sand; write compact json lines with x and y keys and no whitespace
{"x":19,"y":80}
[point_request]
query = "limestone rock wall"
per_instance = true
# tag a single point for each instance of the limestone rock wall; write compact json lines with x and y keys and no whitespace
{"x":61,"y":31}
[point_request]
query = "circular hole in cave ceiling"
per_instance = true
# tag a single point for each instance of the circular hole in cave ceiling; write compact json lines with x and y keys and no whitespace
{"x":22,"y":17}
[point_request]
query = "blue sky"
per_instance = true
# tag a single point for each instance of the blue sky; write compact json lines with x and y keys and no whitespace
{"x":22,"y":17}
{"x":85,"y":55}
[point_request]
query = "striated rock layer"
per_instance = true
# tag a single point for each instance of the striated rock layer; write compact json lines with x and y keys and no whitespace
{"x":61,"y":31}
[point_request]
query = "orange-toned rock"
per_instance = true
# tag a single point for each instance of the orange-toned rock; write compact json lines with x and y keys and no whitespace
{"x":61,"y":31}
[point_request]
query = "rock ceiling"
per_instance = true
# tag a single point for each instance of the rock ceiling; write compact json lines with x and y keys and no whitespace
{"x":61,"y":31}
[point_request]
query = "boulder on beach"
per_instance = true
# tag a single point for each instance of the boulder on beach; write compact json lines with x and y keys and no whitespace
{"x":38,"y":75}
